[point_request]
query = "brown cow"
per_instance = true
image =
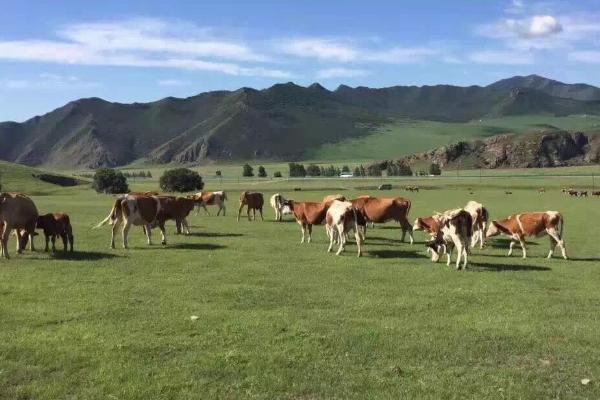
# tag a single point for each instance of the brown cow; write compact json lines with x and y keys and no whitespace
{"x":17,"y":212}
{"x":430,"y":225}
{"x":53,"y":225}
{"x":211,"y":199}
{"x":331,"y":197}
{"x":519,"y":226}
{"x":308,"y":214}
{"x":135,"y":210}
{"x":254,"y":201}
{"x":385,"y":209}
{"x":177,"y":209}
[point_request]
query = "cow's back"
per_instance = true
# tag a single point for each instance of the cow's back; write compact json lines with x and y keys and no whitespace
{"x":18,"y":210}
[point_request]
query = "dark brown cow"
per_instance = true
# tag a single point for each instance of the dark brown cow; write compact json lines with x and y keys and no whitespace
{"x":519,"y":226}
{"x":385,"y":209}
{"x":53,"y":225}
{"x":308,"y":214}
{"x":253,"y":201}
{"x":17,"y":212}
{"x":177,"y":209}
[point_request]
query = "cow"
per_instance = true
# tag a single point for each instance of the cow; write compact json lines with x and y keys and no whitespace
{"x":53,"y":225}
{"x":253,"y":201}
{"x":596,"y":193}
{"x":519,"y":226}
{"x":138,"y":210}
{"x":583,"y":193}
{"x":340,"y":220}
{"x":308,"y":214}
{"x":430,"y":225}
{"x":17,"y":212}
{"x":479,"y":217}
{"x":177,"y":209}
{"x":385,"y":209}
{"x":456,"y":231}
{"x":572,"y":193}
{"x":280,"y":205}
{"x":541,"y":190}
{"x":508,"y":192}
{"x":331,"y":197}
{"x":210,"y":198}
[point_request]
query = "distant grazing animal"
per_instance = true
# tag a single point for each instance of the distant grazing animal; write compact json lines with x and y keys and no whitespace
{"x":209,"y":199}
{"x":456,"y":231}
{"x":138,"y":210}
{"x":385,"y":209}
{"x":341,"y":219}
{"x":253,"y":201}
{"x":508,"y":192}
{"x":583,"y":193}
{"x":479,"y":217}
{"x":596,"y":193}
{"x":412,"y":188}
{"x":308,"y":214}
{"x":331,"y":197}
{"x":541,"y":190}
{"x":17,"y":212}
{"x":53,"y":225}
{"x":573,"y":193}
{"x":520,"y":226}
{"x":280,"y":205}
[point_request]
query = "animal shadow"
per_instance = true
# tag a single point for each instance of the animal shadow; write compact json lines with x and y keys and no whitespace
{"x":196,"y":246}
{"x":214,"y":234}
{"x":396,"y":253}
{"x":505,"y":244}
{"x":481,"y":266}
{"x":82,"y":255}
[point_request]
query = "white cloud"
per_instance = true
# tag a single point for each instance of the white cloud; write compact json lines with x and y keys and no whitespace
{"x":586,"y":56}
{"x":503,"y":57}
{"x":47,"y":81}
{"x":329,"y":73}
{"x":537,"y":26}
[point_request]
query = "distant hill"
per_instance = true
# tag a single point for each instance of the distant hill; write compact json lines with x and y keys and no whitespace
{"x":283,"y":122}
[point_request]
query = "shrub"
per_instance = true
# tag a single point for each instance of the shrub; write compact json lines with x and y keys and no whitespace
{"x":434,"y":169}
{"x":180,"y":180}
{"x":108,"y":180}
{"x":277,"y":174}
{"x":262,"y":172}
{"x":297,"y":170}
{"x":218,"y":173}
{"x":313,"y":170}
{"x":247,"y":170}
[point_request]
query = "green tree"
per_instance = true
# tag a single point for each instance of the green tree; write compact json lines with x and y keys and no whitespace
{"x":108,"y":180}
{"x":434,"y":169}
{"x":345,"y":168}
{"x":296,"y":170}
{"x":262,"y":172}
{"x":218,"y":173}
{"x":247,"y":170}
{"x":277,"y":174}
{"x":313,"y":170}
{"x":180,"y":180}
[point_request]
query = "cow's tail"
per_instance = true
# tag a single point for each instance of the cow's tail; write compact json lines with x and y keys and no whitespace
{"x":561,"y":221}
{"x":224,"y":195}
{"x":112,"y":216}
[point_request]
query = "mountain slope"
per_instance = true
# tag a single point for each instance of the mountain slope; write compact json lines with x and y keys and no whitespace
{"x":281,"y":122}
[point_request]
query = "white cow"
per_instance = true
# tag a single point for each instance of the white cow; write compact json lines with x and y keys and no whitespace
{"x":456,"y":231}
{"x":281,"y":206}
{"x":341,"y":219}
{"x":479,"y":218}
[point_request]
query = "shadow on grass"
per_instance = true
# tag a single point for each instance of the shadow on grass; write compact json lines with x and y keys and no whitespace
{"x":397,"y":253}
{"x":505,"y":243}
{"x":583,"y":259}
{"x":82,"y":255}
{"x":479,"y":266}
{"x":196,"y":246}
{"x":214,"y":234}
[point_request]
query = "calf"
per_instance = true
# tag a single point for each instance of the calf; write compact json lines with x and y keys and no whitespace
{"x":479,"y":217}
{"x":308,"y":214}
{"x":520,"y":226}
{"x":456,"y":231}
{"x":386,"y":209}
{"x":209,"y":199}
{"x":53,"y":225}
{"x":253,"y":201}
{"x":340,"y":220}
{"x":280,"y":205}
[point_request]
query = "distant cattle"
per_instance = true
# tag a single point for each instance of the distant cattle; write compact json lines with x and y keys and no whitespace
{"x":53,"y":225}
{"x":17,"y":212}
{"x":341,"y":219}
{"x":520,"y":226}
{"x":596,"y":193}
{"x":253,"y":201}
{"x":541,"y":190}
{"x":583,"y":193}
{"x":280,"y":205}
{"x":508,"y":192}
{"x":572,"y":192}
{"x":308,"y":214}
{"x":479,"y":217}
{"x":385,"y":209}
{"x":456,"y":231}
{"x":412,"y":188}
{"x":211,"y":199}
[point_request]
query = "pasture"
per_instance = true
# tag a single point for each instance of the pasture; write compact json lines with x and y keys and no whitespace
{"x":282,"y":320}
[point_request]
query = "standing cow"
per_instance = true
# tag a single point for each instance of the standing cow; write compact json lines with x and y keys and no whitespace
{"x":341,"y":219}
{"x":455,"y":232}
{"x":17,"y":212}
{"x":308,"y":214}
{"x":53,"y":225}
{"x":479,"y":216}
{"x":210,"y":198}
{"x":385,"y":209}
{"x":177,"y":209}
{"x":280,"y":205}
{"x":253,"y":201}
{"x":520,"y":226}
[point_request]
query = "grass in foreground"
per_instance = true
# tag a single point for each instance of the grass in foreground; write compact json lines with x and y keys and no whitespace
{"x":284,"y":320}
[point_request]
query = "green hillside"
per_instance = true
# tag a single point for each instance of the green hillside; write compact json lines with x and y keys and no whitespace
{"x":20,"y":178}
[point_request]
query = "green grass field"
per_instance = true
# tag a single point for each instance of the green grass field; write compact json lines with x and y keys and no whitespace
{"x":282,"y":320}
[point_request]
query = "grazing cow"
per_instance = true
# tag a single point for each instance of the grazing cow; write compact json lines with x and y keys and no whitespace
{"x":136,"y":210}
{"x":583,"y":193}
{"x":17,"y":212}
{"x":308,"y":214}
{"x":479,"y":217}
{"x":541,"y":190}
{"x":254,"y":201}
{"x":456,"y":231}
{"x":596,"y":193}
{"x":573,"y":193}
{"x":508,"y":192}
{"x":53,"y":225}
{"x":209,"y":199}
{"x":340,"y":220}
{"x":412,"y":188}
{"x":177,"y":209}
{"x":385,"y":209}
{"x":281,"y":206}
{"x":430,"y":225}
{"x":520,"y":226}
{"x":331,"y":197}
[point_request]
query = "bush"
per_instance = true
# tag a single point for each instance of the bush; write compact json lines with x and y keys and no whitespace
{"x":297,"y":170}
{"x":262,"y":172}
{"x":180,"y":180}
{"x":218,"y":173}
{"x":345,"y":168}
{"x":434,"y":169}
{"x":108,"y":180}
{"x":277,"y":174}
{"x":313,"y":170}
{"x":247,"y":170}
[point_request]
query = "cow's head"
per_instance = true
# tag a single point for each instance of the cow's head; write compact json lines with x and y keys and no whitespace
{"x":434,"y":249}
{"x":287,"y":207}
{"x":493,"y":230}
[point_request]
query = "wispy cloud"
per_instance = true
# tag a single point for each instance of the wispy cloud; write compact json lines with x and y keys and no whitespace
{"x":502,"y":57}
{"x":47,"y":81}
{"x":329,"y":73}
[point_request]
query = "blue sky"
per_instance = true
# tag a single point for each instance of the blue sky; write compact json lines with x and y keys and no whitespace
{"x":141,"y":51}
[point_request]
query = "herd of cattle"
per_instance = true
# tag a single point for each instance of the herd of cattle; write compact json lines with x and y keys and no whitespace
{"x":580,"y":193}
{"x":459,"y":229}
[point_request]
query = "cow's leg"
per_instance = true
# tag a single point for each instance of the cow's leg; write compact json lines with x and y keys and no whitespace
{"x":63,"y":237}
{"x":339,"y":229}
{"x":186,"y":226}
{"x":359,"y":241}
{"x":219,"y":210}
{"x":555,"y":237}
{"x":223,"y":208}
{"x":460,"y":252}
{"x":331,"y":235}
{"x":261,"y":214}
{"x":511,"y":245}
{"x":523,"y":246}
{"x":465,"y":253}
{"x":47,"y":237}
{"x":53,"y":238}
{"x":303,"y":227}
{"x":161,"y":226}
{"x":552,"y":246}
{"x":406,"y":227}
{"x":309,"y":229}
{"x":71,"y":238}
{"x":112,"y":234}
{"x":4,"y":241}
{"x":240,"y":212}
{"x":148,"y":232}
{"x":205,"y":209}
{"x":125,"y":233}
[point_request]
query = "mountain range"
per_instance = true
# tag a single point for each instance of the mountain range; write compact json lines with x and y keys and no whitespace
{"x":280,"y":123}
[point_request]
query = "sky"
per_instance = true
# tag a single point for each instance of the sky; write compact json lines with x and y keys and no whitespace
{"x":52,"y":52}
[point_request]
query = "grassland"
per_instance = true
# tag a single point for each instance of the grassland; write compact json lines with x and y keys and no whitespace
{"x":282,"y":320}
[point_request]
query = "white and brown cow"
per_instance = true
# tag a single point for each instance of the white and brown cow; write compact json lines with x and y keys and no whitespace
{"x":340,"y":220}
{"x":280,"y":205}
{"x":210,"y":199}
{"x":19,"y":213}
{"x":253,"y":201}
{"x":519,"y":226}
{"x":479,"y":216}
{"x":176,"y":209}
{"x":307,"y":214}
{"x":456,"y":230}
{"x":331,"y":197}
{"x":386,"y":209}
